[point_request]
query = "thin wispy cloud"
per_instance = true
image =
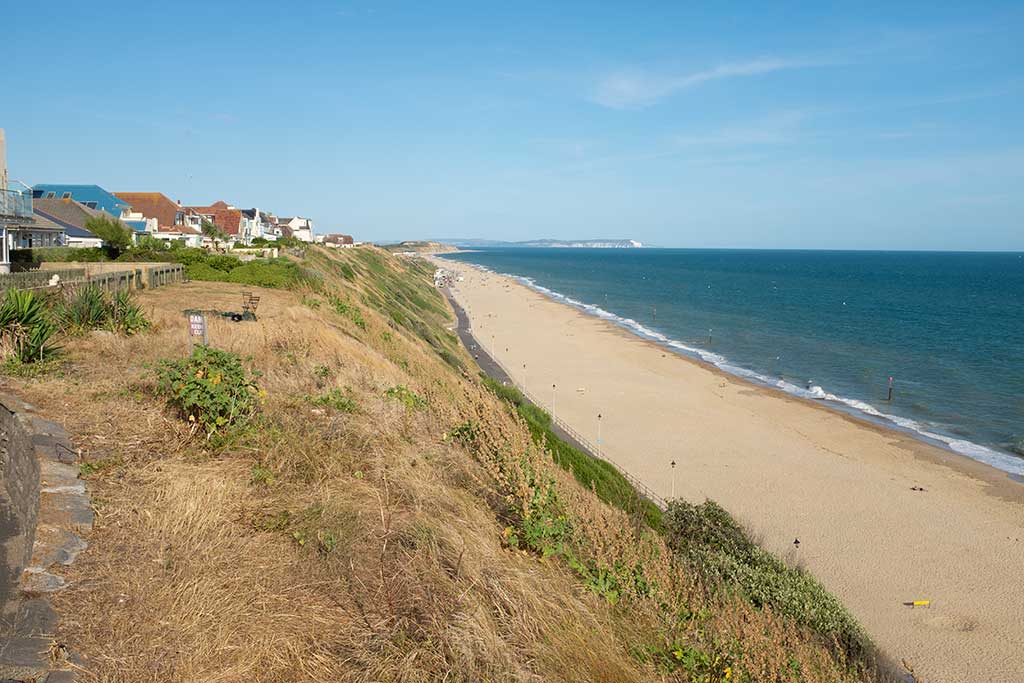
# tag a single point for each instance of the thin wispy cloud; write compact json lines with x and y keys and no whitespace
{"x":776,"y":129}
{"x":635,"y":89}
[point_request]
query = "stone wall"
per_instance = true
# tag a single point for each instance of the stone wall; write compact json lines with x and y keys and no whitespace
{"x":44,"y":507}
{"x":19,"y":504}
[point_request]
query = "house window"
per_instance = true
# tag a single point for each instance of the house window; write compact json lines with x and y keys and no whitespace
{"x":37,"y":194}
{"x":91,"y":205}
{"x":51,"y":195}
{"x":66,"y":195}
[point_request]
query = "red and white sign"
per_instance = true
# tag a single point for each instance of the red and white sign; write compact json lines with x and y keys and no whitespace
{"x":196,"y":325}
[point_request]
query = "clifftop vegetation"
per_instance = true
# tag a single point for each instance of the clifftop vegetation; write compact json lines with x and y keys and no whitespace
{"x":335,"y":495}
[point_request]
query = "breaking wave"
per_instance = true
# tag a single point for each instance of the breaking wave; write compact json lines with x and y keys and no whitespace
{"x":998,"y":459}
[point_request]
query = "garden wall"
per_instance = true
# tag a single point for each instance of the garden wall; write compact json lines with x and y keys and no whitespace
{"x":44,"y":507}
{"x":19,"y":503}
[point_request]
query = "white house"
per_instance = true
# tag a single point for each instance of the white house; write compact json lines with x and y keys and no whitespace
{"x":300,"y":228}
{"x":191,"y":237}
{"x":255,"y":224}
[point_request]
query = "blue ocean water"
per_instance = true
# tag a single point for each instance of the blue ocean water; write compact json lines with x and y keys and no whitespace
{"x":948,"y":327}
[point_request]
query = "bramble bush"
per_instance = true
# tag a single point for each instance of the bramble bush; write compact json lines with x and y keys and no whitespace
{"x":406,"y":396}
{"x":718,"y":548}
{"x":594,"y":473}
{"x":348,"y":310}
{"x":338,"y":399}
{"x":211,"y":388}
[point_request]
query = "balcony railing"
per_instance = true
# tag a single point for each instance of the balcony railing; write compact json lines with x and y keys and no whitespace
{"x":15,"y":204}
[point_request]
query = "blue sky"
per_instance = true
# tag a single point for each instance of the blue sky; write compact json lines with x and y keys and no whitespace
{"x":889,"y":125}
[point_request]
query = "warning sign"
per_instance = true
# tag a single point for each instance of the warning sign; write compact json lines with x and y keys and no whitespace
{"x":197,"y":328}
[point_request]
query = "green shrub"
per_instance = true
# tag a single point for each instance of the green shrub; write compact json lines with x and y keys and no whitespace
{"x":83,"y":308}
{"x":465,"y":433}
{"x":58,"y":254}
{"x":340,"y":400}
{"x":91,"y":308}
{"x":348,"y":310}
{"x":150,"y":243}
{"x":25,"y":328}
{"x":202,"y":271}
{"x":593,"y":473}
{"x":126,"y":315}
{"x":544,"y":527}
{"x":406,"y":397}
{"x":116,"y":236}
{"x":222,"y":262}
{"x":211,"y":389}
{"x":191,"y":255}
{"x":716,"y":546}
{"x":280,"y":273}
{"x":262,"y":475}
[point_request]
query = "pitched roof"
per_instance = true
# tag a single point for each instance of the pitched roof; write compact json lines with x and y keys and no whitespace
{"x":226,"y":219}
{"x":152,"y":205}
{"x":183,"y":229}
{"x":36,"y":222}
{"x":104,"y":200}
{"x":66,"y":212}
{"x":338,"y":239}
{"x":52,"y":223}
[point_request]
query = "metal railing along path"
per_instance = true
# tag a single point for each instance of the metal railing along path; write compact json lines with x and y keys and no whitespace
{"x":641,"y":487}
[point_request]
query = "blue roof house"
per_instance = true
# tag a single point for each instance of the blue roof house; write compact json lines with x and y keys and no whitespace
{"x":93,"y":197}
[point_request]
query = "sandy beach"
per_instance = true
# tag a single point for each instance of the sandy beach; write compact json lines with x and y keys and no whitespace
{"x":788,"y":469}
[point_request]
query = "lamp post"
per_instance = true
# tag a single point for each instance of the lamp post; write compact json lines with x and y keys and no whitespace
{"x":553,"y":418}
{"x":673,"y":463}
{"x":525,"y":387}
{"x":599,"y":435}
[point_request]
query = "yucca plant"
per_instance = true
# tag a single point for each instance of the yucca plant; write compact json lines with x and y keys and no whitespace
{"x":127,"y":316}
{"x":25,"y":328}
{"x":91,"y":308}
{"x":83,"y":309}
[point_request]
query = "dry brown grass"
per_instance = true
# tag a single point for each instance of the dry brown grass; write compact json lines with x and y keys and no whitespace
{"x":374,"y":550}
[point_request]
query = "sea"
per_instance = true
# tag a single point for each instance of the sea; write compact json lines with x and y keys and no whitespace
{"x":833,"y":326}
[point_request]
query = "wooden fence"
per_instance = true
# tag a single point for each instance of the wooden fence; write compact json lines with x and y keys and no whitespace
{"x":133,"y":278}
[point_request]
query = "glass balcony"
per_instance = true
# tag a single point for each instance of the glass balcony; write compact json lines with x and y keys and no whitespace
{"x":15,"y":204}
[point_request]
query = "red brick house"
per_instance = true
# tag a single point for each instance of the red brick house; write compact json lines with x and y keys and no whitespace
{"x":221,"y":214}
{"x":155,"y":205}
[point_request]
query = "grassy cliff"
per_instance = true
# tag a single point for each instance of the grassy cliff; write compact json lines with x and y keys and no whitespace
{"x":339,"y":496}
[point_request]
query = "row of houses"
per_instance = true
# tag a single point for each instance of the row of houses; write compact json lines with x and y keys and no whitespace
{"x":156,"y":215}
{"x":54,"y":214}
